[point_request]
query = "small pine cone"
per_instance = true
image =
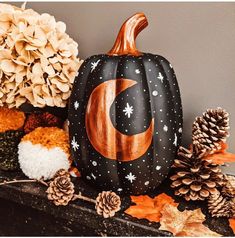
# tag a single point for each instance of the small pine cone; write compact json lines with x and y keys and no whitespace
{"x":195,"y":178}
{"x":60,"y":190}
{"x":229,"y":189}
{"x":61,"y":172}
{"x":219,"y":206}
{"x":107,"y":203}
{"x":210,"y":130}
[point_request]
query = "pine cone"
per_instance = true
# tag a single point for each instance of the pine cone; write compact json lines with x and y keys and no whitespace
{"x":229,"y":189}
{"x":220,"y":206}
{"x":60,"y":190}
{"x":107,"y":203}
{"x":210,"y":130}
{"x":195,"y":179}
{"x":61,"y":172}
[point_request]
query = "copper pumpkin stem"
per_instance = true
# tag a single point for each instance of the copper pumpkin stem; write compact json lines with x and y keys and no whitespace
{"x":125,"y":42}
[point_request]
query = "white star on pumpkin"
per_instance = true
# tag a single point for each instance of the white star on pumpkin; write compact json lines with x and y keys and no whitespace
{"x":128,"y":110}
{"x":76,"y":105}
{"x":93,"y":176}
{"x":158,"y":167}
{"x":131,"y":177}
{"x":94,"y":65}
{"x":74,"y":144}
{"x":175,"y":140}
{"x":146,"y":183}
{"x":160,"y":77}
{"x":165,"y":128}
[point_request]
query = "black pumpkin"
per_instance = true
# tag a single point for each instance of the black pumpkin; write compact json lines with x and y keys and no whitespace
{"x":125,"y":116}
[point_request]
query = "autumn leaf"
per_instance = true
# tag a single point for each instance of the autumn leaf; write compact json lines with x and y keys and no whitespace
{"x":221,"y":156}
{"x":232,"y":224}
{"x":186,"y":223}
{"x":149,"y":208}
{"x":74,"y":172}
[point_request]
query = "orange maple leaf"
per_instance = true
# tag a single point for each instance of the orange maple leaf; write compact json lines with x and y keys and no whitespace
{"x":221,"y":156}
{"x":232,"y":224}
{"x":74,"y":172}
{"x":149,"y":208}
{"x":186,"y":223}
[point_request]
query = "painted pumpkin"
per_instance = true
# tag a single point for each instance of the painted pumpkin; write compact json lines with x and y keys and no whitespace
{"x":125,"y":116}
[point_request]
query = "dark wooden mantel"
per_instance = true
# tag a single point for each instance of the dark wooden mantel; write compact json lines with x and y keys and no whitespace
{"x":25,"y":210}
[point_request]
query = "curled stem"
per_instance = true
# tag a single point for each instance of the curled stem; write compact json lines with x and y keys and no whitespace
{"x":24,"y":181}
{"x":80,"y":196}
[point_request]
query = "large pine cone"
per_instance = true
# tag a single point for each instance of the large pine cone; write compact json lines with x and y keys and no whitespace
{"x":107,"y":203}
{"x":195,"y":178}
{"x":61,"y":190}
{"x":210,"y":130}
{"x":220,"y":206}
{"x":229,"y":188}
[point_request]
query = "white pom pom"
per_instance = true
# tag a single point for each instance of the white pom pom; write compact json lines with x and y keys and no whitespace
{"x":37,"y":162}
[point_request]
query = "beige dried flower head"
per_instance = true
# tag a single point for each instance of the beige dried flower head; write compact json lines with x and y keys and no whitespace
{"x":38,"y":60}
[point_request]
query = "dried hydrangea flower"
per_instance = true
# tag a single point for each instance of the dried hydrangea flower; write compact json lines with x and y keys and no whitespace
{"x":38,"y":60}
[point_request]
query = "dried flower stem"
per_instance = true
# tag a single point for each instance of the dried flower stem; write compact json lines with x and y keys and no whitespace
{"x":24,"y":181}
{"x":80,"y":196}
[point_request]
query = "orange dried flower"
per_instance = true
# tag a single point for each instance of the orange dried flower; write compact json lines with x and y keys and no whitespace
{"x":11,"y":119}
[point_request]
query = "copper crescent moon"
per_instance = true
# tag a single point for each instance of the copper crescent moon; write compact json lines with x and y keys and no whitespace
{"x":104,"y":137}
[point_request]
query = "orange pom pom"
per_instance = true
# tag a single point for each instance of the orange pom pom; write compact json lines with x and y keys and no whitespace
{"x":11,"y":119}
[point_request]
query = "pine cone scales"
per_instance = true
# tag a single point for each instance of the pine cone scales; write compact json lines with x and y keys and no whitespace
{"x":195,"y":179}
{"x":210,"y":130}
{"x":61,"y":190}
{"x":107,"y":203}
{"x":229,"y":188}
{"x":220,"y":206}
{"x":62,"y":172}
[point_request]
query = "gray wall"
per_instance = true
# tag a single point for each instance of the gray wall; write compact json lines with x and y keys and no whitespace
{"x":198,"y":39}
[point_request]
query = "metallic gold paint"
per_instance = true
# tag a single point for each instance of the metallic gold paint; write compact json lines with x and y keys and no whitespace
{"x":103,"y":136}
